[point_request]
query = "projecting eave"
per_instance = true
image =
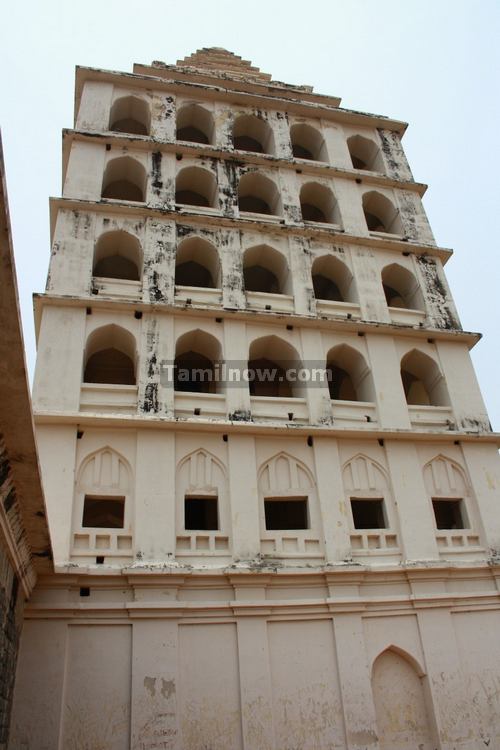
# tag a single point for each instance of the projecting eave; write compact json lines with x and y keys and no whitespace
{"x":274,"y":225}
{"x":246,"y":94}
{"x":101,"y":302}
{"x":145,"y":143}
{"x":270,"y":87}
{"x":15,"y":409}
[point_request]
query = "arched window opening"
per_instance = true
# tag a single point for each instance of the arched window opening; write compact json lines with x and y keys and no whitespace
{"x":269,"y":377}
{"x":380,"y":214}
{"x":401,"y":288}
{"x":196,"y":187}
{"x":130,"y":114}
{"x":423,"y":382}
{"x":196,"y":355}
{"x":197,"y":264}
{"x":365,"y":154}
{"x":450,"y":493}
{"x":195,"y":124}
{"x":318,"y":203}
{"x":332,"y":280}
{"x":118,"y":255}
{"x":201,"y":487}
{"x":110,"y":356}
{"x":402,"y":703}
{"x":308,"y":143}
{"x":349,"y":378}
{"x":252,"y":133}
{"x":124,"y":179}
{"x":265,"y":270}
{"x":258,"y":194}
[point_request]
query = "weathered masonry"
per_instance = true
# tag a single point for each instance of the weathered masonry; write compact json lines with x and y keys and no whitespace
{"x":267,"y":564}
{"x":24,"y":536}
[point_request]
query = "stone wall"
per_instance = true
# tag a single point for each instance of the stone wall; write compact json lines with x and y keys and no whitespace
{"x":11,"y":613}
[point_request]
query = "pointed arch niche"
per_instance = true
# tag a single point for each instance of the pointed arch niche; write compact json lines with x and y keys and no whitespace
{"x":370,"y":508}
{"x":202,"y":506}
{"x":403,"y":705}
{"x":102,"y":509}
{"x":290,"y":522}
{"x":452,"y":503}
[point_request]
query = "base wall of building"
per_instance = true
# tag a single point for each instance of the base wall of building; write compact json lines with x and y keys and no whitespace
{"x":345,"y":659}
{"x":11,"y":618}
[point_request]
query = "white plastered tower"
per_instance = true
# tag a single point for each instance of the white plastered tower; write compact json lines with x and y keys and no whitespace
{"x":291,"y":564}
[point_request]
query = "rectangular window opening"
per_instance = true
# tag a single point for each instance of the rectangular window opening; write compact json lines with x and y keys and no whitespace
{"x":286,"y":514}
{"x":103,"y":512}
{"x":449,"y":513}
{"x":201,"y":514}
{"x":368,"y":513}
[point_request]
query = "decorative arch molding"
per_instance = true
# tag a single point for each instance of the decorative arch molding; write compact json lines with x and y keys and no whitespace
{"x":443,"y":476}
{"x":104,"y":470}
{"x":403,"y":701}
{"x":200,"y":471}
{"x":201,"y":478}
{"x":102,"y":508}
{"x":285,"y":484}
{"x":369,"y":500}
{"x":412,"y":660}
{"x":361,"y":473}
{"x":284,"y":473}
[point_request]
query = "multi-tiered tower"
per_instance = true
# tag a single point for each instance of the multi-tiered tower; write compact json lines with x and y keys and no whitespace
{"x":280,"y":564}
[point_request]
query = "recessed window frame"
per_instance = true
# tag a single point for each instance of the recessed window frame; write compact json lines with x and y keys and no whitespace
{"x":209,"y":498}
{"x":368,"y":499}
{"x":271,"y":499}
{"x":93,"y":498}
{"x":462,"y":511}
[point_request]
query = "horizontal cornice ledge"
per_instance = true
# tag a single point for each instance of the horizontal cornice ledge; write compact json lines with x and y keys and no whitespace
{"x":306,"y":167}
{"x":298,"y":101}
{"x":283,"y":429}
{"x":275,"y":225}
{"x":372,"y":606}
{"x":264,"y":317}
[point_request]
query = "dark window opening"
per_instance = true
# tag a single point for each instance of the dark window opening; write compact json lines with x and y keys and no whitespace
{"x":312,"y":213}
{"x":192,"y":273}
{"x":116,"y":267}
{"x":449,"y":514}
{"x":300,"y":152}
{"x":260,"y":279}
{"x":325,"y":288}
{"x":286,"y":514}
{"x":373,"y":223}
{"x":415,"y":391}
{"x":368,"y":514}
{"x":103,"y":512}
{"x":253,"y":205}
{"x":123,"y":190}
{"x":358,"y":163}
{"x":110,"y":366}
{"x":191,"y":134}
{"x":266,"y":378}
{"x":191,"y":198}
{"x":340,"y":384}
{"x":247,"y":143}
{"x":129,"y":125}
{"x":201,"y":514}
{"x":393,"y":297}
{"x":194,"y":373}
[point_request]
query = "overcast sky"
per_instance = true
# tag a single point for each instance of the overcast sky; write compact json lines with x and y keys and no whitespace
{"x":432,"y":63}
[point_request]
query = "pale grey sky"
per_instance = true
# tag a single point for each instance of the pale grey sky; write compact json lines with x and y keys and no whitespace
{"x":432,"y":63}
